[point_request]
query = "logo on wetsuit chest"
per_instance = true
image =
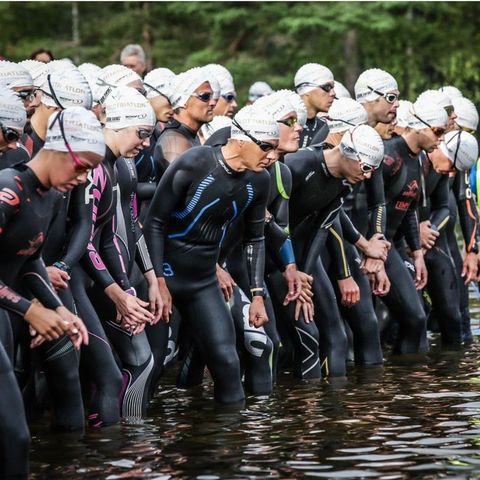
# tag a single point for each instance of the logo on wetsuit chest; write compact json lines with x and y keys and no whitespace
{"x":35,"y":244}
{"x":9,"y":196}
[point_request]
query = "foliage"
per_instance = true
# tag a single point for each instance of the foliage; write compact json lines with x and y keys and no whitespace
{"x":423,"y":44}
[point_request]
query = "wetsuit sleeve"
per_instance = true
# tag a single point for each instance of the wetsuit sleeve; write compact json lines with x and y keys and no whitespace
{"x":467,"y":212}
{"x":277,"y":232}
{"x":172,"y":188}
{"x":337,"y":251}
{"x":172,"y":145}
{"x":253,"y":240}
{"x":80,"y":213}
{"x":91,"y":261}
{"x":146,"y":190}
{"x":350,"y":233}
{"x":440,"y":213}
{"x":411,"y":228}
{"x":377,"y":212}
{"x":112,"y":256}
{"x":35,"y":277}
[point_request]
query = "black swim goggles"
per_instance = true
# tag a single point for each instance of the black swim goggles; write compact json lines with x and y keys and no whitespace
{"x":458,"y":137}
{"x":9,"y":134}
{"x":437,"y":131}
{"x":389,"y":97}
{"x":204,"y":96}
{"x":326,"y":87}
{"x":264,"y":146}
{"x":27,"y":95}
{"x":289,"y":122}
{"x":151,"y":87}
{"x":229,"y":97}
{"x":52,"y":93}
{"x":330,"y":119}
{"x":364,"y":166}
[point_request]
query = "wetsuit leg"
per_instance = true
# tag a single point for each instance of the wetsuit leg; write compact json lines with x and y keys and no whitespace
{"x":209,"y":320}
{"x":272,"y":332}
{"x":333,"y":338}
{"x":443,"y":290}
{"x":361,"y":318}
{"x":134,"y":353}
{"x":98,"y":359}
{"x":14,"y":434}
{"x":255,"y":347}
{"x":405,"y":305}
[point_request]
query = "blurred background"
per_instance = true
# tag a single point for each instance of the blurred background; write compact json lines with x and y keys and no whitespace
{"x":422,"y":44}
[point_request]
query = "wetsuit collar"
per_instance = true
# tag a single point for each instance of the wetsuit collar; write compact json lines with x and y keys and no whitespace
{"x":186,"y":131}
{"x":31,"y":175}
{"x":110,"y":156}
{"x":217,"y":153}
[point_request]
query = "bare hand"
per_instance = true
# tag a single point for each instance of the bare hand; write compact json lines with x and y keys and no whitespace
{"x":428,"y":236}
{"x":371,"y":265}
{"x":257,"y":313}
{"x":166,"y":299}
{"x":421,"y":274}
{"x":304,"y":302}
{"x":132,"y":310}
{"x":380,"y":283}
{"x":378,"y":247}
{"x":470,"y":267}
{"x":47,"y":323}
{"x":58,"y":278}
{"x":155,"y":302}
{"x":294,"y":283}
{"x":226,"y":283}
{"x":350,"y":292}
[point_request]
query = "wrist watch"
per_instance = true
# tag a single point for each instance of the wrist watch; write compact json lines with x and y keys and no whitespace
{"x":62,"y":266}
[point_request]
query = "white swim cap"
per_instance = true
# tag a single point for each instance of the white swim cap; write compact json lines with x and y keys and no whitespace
{"x":373,"y":79}
{"x":422,"y":113}
{"x":466,"y":112}
{"x":158,"y":82}
{"x":451,"y":92}
{"x":341,"y":91}
{"x":14,"y":75}
{"x":223,"y":76}
{"x":218,"y":122}
{"x":461,"y":148}
{"x":38,"y":71}
{"x":91,"y":72}
{"x":403,"y":113}
{"x":345,"y":113}
{"x":363,"y":143}
{"x":298,"y":104}
{"x":127,"y":107}
{"x":258,"y":90}
{"x":310,"y":76}
{"x":185,"y":84}
{"x":12,"y":110}
{"x":113,"y":76}
{"x":277,"y":105}
{"x":435,"y":97}
{"x":81,"y":130}
{"x":66,"y":87}
{"x":257,"y":122}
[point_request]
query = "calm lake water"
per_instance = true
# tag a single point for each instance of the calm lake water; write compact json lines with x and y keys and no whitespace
{"x":405,"y":421}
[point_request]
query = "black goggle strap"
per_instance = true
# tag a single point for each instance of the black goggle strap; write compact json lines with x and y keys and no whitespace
{"x":53,"y":94}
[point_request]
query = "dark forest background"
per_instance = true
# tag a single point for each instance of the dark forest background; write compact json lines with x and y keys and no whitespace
{"x":422,"y":44}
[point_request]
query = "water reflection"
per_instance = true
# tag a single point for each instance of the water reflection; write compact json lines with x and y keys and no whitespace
{"x":401,"y":421}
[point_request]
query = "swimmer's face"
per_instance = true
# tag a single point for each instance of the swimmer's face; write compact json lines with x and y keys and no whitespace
{"x":226,"y":105}
{"x":162,"y":107}
{"x":289,"y":134}
{"x":72,"y":169}
{"x":132,"y":140}
{"x":256,"y":159}
{"x":201,"y":110}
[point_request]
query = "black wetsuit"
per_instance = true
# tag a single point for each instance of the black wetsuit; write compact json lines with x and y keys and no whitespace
{"x":26,"y":212}
{"x":461,"y":199}
{"x":316,"y":200}
{"x":399,"y":181}
{"x":197,"y":199}
{"x":314,"y":132}
{"x":95,"y":204}
{"x":133,"y":350}
{"x":442,"y":283}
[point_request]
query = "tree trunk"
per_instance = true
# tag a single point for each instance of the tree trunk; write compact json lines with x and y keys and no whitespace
{"x":147,"y":35}
{"x":351,"y":55}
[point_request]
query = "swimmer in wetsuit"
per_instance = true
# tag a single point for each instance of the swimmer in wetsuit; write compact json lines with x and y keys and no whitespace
{"x":400,"y":181}
{"x":315,"y":84}
{"x":322,"y":178}
{"x":199,"y":196}
{"x":457,"y":153}
{"x":28,"y":203}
